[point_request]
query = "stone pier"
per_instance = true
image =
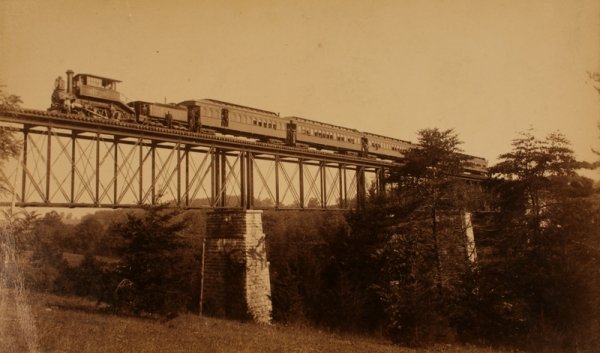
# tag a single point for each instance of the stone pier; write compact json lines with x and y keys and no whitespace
{"x":236,"y":270}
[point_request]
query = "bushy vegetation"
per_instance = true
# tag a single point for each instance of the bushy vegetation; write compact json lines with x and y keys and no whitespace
{"x":320,"y":272}
{"x":542,"y":283}
{"x":140,"y":263}
{"x":10,"y":147}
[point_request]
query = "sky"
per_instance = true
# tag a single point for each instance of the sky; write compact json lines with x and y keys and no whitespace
{"x":488,"y":69}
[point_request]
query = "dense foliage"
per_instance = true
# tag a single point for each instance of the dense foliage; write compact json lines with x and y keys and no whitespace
{"x":151,"y":275}
{"x":9,"y":145}
{"x":321,"y":273}
{"x":542,"y":281}
{"x":420,"y":241}
{"x":140,"y":262}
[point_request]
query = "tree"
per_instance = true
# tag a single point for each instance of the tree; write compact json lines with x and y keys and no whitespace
{"x":10,"y":147}
{"x":531,"y":165}
{"x":45,"y":239}
{"x":538,"y":284}
{"x":90,"y":236}
{"x":427,"y":187}
{"x":9,"y":101}
{"x":319,"y":272}
{"x":421,"y":240}
{"x":151,"y":276}
{"x":89,"y":278}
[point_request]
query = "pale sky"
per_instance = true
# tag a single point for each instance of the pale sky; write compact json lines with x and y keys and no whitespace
{"x":488,"y":69}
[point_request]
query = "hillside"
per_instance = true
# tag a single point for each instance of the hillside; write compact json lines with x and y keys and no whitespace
{"x":76,"y":325}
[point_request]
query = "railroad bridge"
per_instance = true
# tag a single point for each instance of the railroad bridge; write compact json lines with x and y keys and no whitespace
{"x":77,"y":161}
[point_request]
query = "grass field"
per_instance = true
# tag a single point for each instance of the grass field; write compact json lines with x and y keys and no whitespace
{"x":56,"y":324}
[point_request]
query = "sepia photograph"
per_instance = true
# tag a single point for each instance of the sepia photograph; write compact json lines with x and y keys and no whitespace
{"x":308,"y":176}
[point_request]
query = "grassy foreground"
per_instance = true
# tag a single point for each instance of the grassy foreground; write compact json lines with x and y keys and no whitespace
{"x":46,"y":323}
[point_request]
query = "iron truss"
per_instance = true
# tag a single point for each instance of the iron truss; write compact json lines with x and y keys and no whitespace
{"x":75,"y":161}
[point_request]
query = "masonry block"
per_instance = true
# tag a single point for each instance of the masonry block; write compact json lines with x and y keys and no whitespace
{"x":236,"y":270}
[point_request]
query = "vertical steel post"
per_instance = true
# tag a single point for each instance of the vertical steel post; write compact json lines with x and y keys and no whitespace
{"x":345,"y":188}
{"x":141,"y":172}
{"x":250,"y":184}
{"x":187,"y":175}
{"x":301,"y":178}
{"x":243,"y":180}
{"x":277,"y":181}
{"x":97,"y":200}
{"x":73,"y":160}
{"x":153,"y":171}
{"x":323,"y":178}
{"x":48,"y":164}
{"x":178,"y":146}
{"x":341,"y":187}
{"x":115,"y":170}
{"x":223,"y":178}
{"x":24,"y":175}
{"x":214,"y":175}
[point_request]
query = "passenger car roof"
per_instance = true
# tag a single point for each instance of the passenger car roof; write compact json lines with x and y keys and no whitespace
{"x":233,"y":105}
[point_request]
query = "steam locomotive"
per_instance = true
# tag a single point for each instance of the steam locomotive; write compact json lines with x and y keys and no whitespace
{"x":90,"y":95}
{"x":97,"y":96}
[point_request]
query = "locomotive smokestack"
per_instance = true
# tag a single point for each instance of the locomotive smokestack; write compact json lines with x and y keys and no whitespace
{"x":70,"y":81}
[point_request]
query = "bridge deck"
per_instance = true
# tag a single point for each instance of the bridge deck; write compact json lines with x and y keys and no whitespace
{"x":76,"y":161}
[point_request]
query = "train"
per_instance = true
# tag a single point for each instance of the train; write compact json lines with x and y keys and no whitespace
{"x":97,"y":96}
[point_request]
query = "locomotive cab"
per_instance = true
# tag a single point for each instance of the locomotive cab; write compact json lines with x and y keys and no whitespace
{"x":97,"y":87}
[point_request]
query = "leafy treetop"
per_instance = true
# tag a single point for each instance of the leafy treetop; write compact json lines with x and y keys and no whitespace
{"x":9,"y":100}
